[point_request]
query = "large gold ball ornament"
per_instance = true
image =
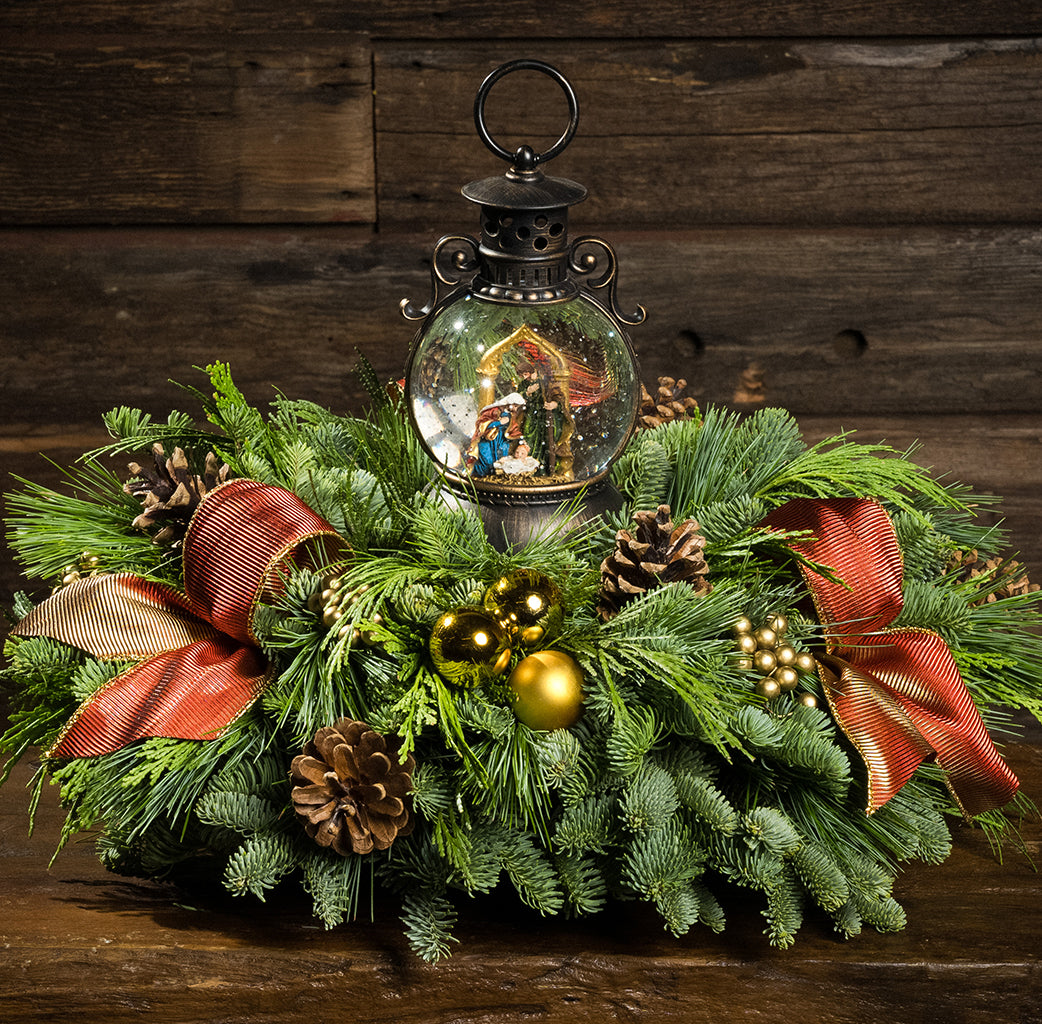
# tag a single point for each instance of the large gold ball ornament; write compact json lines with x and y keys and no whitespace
{"x":469,"y":647}
{"x":547,"y":689}
{"x":528,"y":605}
{"x":764,"y":661}
{"x":743,"y":625}
{"x":787,"y":678}
{"x":805,"y":662}
{"x":786,"y":654}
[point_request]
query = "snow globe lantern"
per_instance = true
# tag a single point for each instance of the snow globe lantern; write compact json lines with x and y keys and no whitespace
{"x":522,"y":384}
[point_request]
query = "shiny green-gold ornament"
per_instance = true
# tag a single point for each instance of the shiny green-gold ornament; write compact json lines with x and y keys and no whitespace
{"x":469,"y":647}
{"x":527,"y":603}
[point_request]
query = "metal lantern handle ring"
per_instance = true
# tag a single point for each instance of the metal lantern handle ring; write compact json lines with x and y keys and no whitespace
{"x":524,"y":159}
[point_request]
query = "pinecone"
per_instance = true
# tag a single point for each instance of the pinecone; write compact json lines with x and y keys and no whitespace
{"x":659,"y":553}
{"x":170,"y":491}
{"x":350,"y":788}
{"x":751,"y":389}
{"x":1008,"y":573}
{"x":669,"y":403}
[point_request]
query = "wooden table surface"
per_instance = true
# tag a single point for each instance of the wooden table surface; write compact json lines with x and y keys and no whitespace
{"x":82,"y":944}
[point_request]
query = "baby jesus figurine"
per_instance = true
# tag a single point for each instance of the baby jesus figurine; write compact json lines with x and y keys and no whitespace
{"x":521,"y":463}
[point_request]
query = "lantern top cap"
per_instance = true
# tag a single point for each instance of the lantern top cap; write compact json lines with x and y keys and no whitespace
{"x":524,"y":186}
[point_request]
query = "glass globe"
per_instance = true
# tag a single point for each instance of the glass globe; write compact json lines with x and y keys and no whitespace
{"x":522,"y":399}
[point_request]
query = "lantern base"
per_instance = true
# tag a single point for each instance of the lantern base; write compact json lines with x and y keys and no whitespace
{"x":511,"y":522}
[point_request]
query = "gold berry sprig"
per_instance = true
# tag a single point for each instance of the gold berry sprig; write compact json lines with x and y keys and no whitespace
{"x":765,"y":651}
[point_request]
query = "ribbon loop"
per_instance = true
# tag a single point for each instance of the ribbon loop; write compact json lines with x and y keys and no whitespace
{"x":203,"y":667}
{"x":896,"y":693}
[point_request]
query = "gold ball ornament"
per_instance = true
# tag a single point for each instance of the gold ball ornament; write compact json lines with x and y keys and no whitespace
{"x":786,"y":654}
{"x":547,"y":689}
{"x":808,"y":700}
{"x":779,"y":623}
{"x":768,"y":688}
{"x":765,"y":662}
{"x":805,"y":662}
{"x":528,"y":605}
{"x":743,"y":625}
{"x":786,"y":678}
{"x":747,"y":643}
{"x":469,"y":647}
{"x":765,"y":636}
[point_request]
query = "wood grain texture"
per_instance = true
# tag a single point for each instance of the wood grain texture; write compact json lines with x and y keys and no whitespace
{"x":245,"y":129}
{"x":110,"y":130}
{"x":945,"y":320}
{"x":520,"y":19}
{"x":150,"y":952}
{"x":770,"y":132}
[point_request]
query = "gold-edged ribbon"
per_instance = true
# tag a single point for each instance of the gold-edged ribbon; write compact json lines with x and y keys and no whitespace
{"x":896,"y":693}
{"x":200,"y":666}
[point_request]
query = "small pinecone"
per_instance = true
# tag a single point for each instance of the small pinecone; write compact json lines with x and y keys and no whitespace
{"x":669,"y":403}
{"x":751,"y":389}
{"x":170,"y":492}
{"x":350,"y":788}
{"x":1009,"y":573}
{"x":659,"y":553}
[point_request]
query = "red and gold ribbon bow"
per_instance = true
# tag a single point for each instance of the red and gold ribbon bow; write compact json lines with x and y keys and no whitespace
{"x":896,"y":693}
{"x":200,"y":664}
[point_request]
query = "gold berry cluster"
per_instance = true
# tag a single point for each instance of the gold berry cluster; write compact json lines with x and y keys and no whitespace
{"x":765,"y":651}
{"x":332,"y":600}
{"x":86,"y":563}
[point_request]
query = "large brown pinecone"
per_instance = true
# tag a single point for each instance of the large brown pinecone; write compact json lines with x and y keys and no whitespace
{"x":351,"y":789}
{"x":170,"y":491}
{"x":1008,"y":573}
{"x":667,"y":404}
{"x":658,"y":553}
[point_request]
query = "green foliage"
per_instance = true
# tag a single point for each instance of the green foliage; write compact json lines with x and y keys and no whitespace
{"x":677,"y":782}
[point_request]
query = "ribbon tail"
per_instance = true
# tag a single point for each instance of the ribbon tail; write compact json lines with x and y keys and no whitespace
{"x":116,"y":616}
{"x":918,"y":669}
{"x":193,"y":693}
{"x":877,"y":725}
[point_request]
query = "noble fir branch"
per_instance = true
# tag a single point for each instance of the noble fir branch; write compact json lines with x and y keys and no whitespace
{"x":649,"y":802}
{"x":531,"y":872}
{"x":419,"y":875}
{"x":585,"y":827}
{"x":246,"y":813}
{"x":259,"y":864}
{"x":42,"y":677}
{"x":784,"y":910}
{"x":820,"y":875}
{"x":643,"y":471}
{"x":335,"y":885}
{"x":659,"y":867}
{"x":428,"y":918}
{"x":583,"y":883}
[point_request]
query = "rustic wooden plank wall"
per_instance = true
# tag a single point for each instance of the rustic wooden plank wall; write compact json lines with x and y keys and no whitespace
{"x":838,"y":199}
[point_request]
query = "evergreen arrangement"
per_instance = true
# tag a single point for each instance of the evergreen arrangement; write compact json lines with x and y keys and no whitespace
{"x":369,"y":760}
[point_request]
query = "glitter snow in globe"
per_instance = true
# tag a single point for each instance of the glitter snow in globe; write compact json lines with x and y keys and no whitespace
{"x":521,"y":383}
